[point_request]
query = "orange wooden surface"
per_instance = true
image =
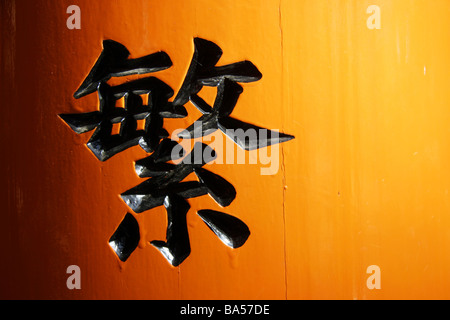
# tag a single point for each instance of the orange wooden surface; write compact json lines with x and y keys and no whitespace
{"x":365,"y":181}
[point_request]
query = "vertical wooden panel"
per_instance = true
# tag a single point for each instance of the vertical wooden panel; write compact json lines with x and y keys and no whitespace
{"x":368,"y":180}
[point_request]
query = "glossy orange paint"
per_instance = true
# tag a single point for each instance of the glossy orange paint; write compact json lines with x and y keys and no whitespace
{"x":365,"y":181}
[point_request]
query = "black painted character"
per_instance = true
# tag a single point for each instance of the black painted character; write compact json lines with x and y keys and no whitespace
{"x":166,"y":183}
